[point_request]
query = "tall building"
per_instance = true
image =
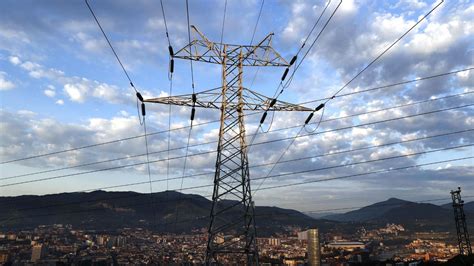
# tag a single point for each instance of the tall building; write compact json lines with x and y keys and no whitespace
{"x":314,"y":250}
{"x":38,"y":252}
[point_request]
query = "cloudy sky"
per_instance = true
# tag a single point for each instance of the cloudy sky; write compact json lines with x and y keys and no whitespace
{"x":61,"y":87}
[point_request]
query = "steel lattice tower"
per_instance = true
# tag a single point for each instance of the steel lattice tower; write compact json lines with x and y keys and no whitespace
{"x":232,"y":179}
{"x":460,"y":219}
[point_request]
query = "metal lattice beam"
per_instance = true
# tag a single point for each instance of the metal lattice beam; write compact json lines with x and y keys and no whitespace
{"x":252,"y":101}
{"x":201,"y":49}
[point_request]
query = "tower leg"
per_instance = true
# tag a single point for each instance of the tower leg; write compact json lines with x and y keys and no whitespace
{"x":231,"y":232}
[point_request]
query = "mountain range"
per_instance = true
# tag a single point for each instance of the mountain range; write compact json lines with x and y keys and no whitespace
{"x":413,"y":215}
{"x":164,"y":211}
{"x":176,"y":212}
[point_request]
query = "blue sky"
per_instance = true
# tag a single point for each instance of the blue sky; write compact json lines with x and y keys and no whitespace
{"x":61,"y":87}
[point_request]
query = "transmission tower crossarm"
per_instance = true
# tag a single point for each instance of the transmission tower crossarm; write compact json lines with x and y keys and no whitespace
{"x":204,"y":50}
{"x":212,"y":98}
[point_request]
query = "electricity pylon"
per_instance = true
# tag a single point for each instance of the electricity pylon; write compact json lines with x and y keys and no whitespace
{"x":460,"y":219}
{"x":231,"y":180}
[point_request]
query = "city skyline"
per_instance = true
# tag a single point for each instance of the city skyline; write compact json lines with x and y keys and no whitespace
{"x":62,"y":88}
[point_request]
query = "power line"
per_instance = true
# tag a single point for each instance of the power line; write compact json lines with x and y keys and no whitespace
{"x":329,"y":179}
{"x":215,"y":121}
{"x":319,"y":169}
{"x":223,"y":22}
{"x":309,"y":134}
{"x":290,"y":160}
{"x":379,"y":110}
{"x":352,"y":164}
{"x":166,"y":24}
{"x":290,"y":79}
{"x":368,"y":147}
{"x":110,"y":45}
{"x":139,"y":97}
{"x":261,"y":178}
{"x":276,"y":95}
{"x":184,"y":169}
{"x":170,"y":78}
{"x":368,"y":173}
{"x":387,"y":49}
{"x":288,"y":82}
{"x":264,"y":142}
{"x":192,"y":115}
{"x":206,"y":143}
{"x":256,"y":23}
{"x":389,"y":85}
{"x":322,"y":105}
{"x":293,"y":60}
{"x":169,"y":130}
{"x":369,"y":123}
{"x":148,"y":160}
{"x":368,"y":161}
{"x":189,"y":39}
{"x":105,"y":143}
{"x":251,"y":42}
{"x":279,"y":159}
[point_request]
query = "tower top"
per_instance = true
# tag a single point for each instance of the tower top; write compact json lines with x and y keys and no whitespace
{"x":202,"y":49}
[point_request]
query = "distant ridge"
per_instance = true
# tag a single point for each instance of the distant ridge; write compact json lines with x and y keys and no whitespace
{"x":411,"y":214}
{"x":371,"y":212}
{"x":113,"y":210}
{"x":102,"y":210}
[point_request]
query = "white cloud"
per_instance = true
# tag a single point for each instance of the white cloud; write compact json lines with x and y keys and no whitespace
{"x":429,"y":40}
{"x":15,"y":35}
{"x":155,"y":23}
{"x":50,"y":91}
{"x":76,"y":88}
{"x":14,"y":60}
{"x":89,"y":43}
{"x":107,"y":92}
{"x":346,"y":46}
{"x":4,"y":83}
{"x":348,"y":7}
{"x":76,"y":92}
{"x":30,"y":66}
{"x":297,"y":23}
{"x":411,"y":4}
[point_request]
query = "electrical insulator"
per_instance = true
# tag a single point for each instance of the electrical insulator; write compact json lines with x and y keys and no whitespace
{"x":309,"y":118}
{"x":263,"y":117}
{"x":171,"y":65}
{"x":284,"y":74}
{"x":293,"y":60}
{"x":139,"y":96}
{"x":143,"y":109}
{"x":193,"y":111}
{"x":319,"y":107}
